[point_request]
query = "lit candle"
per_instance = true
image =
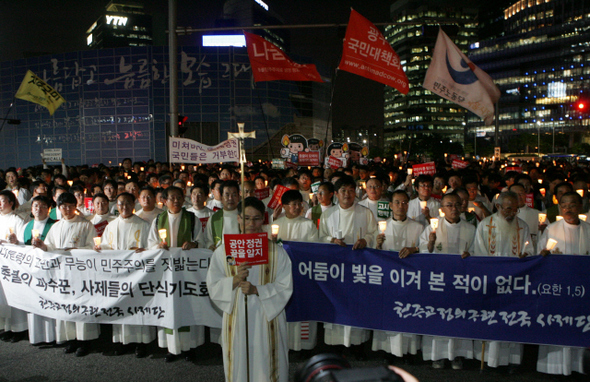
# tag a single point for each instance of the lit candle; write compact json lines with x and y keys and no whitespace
{"x":542,"y":218}
{"x":265,"y":183}
{"x":97,"y":241}
{"x":182,"y":168}
{"x":141,"y":169}
{"x":160,"y":205}
{"x":471,"y":209}
{"x":445,"y":155}
{"x":580,"y":192}
{"x":441,"y":213}
{"x":422,"y":204}
{"x":542,"y":191}
{"x":275,"y":229}
{"x":162,"y":233}
{"x":15,"y":192}
{"x":551,"y":244}
{"x":540,"y":181}
{"x":582,"y":217}
{"x":558,"y":218}
{"x":35,"y":233}
{"x":410,"y":171}
{"x":310,"y":195}
{"x":382,"y":226}
{"x":444,"y":189}
{"x":70,"y":182}
{"x":434,"y":223}
{"x":189,"y":183}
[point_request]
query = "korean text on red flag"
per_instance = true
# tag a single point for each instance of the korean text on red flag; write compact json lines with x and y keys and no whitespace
{"x":276,"y":197}
{"x":453,"y":76}
{"x":368,"y":54}
{"x":270,"y":63}
{"x":251,"y":248}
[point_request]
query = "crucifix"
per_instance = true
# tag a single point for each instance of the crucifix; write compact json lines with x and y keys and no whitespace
{"x":240,"y":136}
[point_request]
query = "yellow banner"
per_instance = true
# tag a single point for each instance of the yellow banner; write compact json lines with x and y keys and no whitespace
{"x":36,"y":90}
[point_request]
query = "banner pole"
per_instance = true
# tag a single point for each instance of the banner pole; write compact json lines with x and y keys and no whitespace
{"x":242,"y":197}
{"x":483,"y":350}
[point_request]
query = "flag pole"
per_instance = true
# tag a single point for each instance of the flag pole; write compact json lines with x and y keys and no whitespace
{"x":483,"y":350}
{"x":8,"y":112}
{"x":270,"y":150}
{"x":332,"y":90}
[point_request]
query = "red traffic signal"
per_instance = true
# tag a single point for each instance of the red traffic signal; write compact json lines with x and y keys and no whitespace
{"x":182,"y":119}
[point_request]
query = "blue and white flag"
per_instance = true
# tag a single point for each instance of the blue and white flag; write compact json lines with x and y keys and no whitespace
{"x":453,"y":76}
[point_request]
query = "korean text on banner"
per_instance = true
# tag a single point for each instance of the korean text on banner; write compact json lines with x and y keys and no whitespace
{"x":424,"y":169}
{"x":251,"y":248}
{"x":276,"y":196}
{"x":155,"y":287}
{"x":270,"y":63}
{"x":458,"y":164}
{"x":184,"y":150}
{"x":368,"y":54}
{"x":311,"y":158}
{"x":36,"y":90}
{"x":453,"y":76}
{"x":538,"y":300}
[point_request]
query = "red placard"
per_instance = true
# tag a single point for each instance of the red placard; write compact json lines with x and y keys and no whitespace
{"x":290,"y":164}
{"x":424,"y":169}
{"x":276,"y":197}
{"x":334,"y":163}
{"x":311,"y":158}
{"x":530,"y":200}
{"x":453,"y":156}
{"x":204,"y":222}
{"x":100,"y":227}
{"x":262,"y":193}
{"x":88,"y":204}
{"x":459,"y":164}
{"x":513,"y":168}
{"x":251,"y":248}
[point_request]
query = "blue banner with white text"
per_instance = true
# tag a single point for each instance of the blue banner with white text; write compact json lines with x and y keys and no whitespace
{"x":532,"y":300}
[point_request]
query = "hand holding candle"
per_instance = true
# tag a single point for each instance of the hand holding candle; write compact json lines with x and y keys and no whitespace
{"x":163,"y":234}
{"x":551,"y":244}
{"x":434,"y":223}
{"x":382,"y":227}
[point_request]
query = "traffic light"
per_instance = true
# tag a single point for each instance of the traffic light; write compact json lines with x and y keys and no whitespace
{"x":182,"y":127}
{"x":582,"y":105}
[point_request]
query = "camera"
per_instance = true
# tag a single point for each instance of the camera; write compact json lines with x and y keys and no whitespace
{"x":334,"y":368}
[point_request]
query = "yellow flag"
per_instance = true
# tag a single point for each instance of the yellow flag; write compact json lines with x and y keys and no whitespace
{"x":36,"y":90}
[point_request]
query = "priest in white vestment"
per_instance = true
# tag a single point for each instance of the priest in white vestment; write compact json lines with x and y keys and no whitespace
{"x":181,"y":229}
{"x":374,"y":196}
{"x":148,"y":210}
{"x":424,"y":207}
{"x":294,"y":227}
{"x":198,"y":196}
{"x":225,"y":220}
{"x":573,"y":238}
{"x":102,"y":217}
{"x":268,"y":289}
{"x":128,"y":231}
{"x":401,"y":235}
{"x":503,"y":234}
{"x":41,"y":329}
{"x":529,"y":215}
{"x":452,"y":236}
{"x":347,"y":224}
{"x":11,"y":231}
{"x":71,"y":232}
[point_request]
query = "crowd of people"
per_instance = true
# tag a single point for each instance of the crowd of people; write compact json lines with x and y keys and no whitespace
{"x":481,"y":210}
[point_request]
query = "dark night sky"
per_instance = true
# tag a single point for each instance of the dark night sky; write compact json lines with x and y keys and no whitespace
{"x":60,"y":26}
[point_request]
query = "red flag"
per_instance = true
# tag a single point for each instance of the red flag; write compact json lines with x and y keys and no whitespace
{"x":270,"y":63}
{"x":367,"y":53}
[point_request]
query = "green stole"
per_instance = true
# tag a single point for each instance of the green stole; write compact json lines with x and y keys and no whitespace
{"x":217,"y":226}
{"x":185,"y":229}
{"x":53,"y":214}
{"x":185,"y":233}
{"x":316,"y":213}
{"x":28,"y":234}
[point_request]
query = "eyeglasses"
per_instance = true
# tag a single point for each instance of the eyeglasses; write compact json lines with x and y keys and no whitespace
{"x":425,"y":186}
